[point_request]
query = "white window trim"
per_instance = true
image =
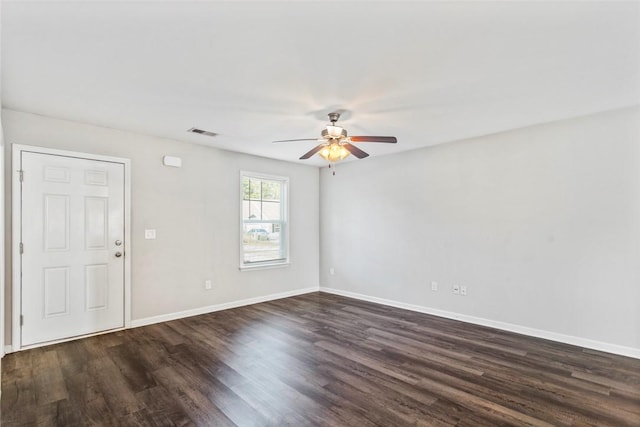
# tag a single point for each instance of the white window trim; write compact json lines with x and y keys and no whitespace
{"x":286,"y":262}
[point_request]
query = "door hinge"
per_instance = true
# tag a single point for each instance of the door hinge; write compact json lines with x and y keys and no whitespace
{"x":21,"y":248}
{"x":22,"y":320}
{"x":21,"y":172}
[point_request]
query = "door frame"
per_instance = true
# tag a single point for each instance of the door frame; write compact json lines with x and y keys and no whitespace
{"x":16,"y":212}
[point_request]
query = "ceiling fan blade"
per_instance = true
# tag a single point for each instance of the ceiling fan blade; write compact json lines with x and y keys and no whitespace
{"x":387,"y":139}
{"x":312,"y":151}
{"x":355,"y":151}
{"x":294,"y":140}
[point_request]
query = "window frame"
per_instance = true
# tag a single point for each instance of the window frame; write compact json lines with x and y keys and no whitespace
{"x":284,"y":222}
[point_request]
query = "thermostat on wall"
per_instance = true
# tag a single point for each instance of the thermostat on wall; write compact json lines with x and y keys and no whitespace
{"x":174,"y":162}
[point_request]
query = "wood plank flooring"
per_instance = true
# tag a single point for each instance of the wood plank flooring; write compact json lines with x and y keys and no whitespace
{"x":318,"y":359}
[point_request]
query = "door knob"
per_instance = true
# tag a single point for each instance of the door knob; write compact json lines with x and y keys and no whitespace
{"x":118,"y":254}
{"x":118,"y":242}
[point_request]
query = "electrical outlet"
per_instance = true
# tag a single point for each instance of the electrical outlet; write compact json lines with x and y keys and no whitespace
{"x":332,"y":271}
{"x":150,"y":234}
{"x":463,"y":290}
{"x":207,"y":285}
{"x":456,"y":289}
{"x":434,"y":286}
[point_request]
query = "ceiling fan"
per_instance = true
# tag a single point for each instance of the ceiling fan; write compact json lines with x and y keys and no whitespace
{"x":335,"y":145}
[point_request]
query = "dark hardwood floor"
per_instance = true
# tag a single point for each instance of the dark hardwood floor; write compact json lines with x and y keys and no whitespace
{"x":318,"y":359}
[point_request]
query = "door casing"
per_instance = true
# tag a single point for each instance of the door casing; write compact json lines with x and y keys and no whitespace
{"x":16,"y":212}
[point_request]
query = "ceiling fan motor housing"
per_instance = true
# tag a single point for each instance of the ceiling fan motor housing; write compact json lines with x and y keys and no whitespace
{"x":327,"y":135}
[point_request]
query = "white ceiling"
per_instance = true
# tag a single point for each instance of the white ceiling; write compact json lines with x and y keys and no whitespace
{"x":426,"y":72}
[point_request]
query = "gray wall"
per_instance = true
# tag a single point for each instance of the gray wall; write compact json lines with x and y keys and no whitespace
{"x":195,"y":210}
{"x":541,"y":224}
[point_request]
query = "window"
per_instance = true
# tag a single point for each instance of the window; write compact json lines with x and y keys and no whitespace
{"x":265,"y":240}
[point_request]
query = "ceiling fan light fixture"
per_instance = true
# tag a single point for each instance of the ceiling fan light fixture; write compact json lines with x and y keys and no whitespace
{"x":334,"y":152}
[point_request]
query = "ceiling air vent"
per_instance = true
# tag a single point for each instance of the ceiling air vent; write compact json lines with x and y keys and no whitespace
{"x":202,"y":132}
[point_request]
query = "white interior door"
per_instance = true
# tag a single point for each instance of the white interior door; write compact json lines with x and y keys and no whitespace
{"x":72,"y":235}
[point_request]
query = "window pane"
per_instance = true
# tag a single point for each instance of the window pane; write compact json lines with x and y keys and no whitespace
{"x":261,"y":243}
{"x":271,"y":190}
{"x":245,"y":188}
{"x":270,"y":211}
{"x":245,"y":209}
{"x":252,"y":210}
{"x":255,"y":189}
{"x":255,"y":210}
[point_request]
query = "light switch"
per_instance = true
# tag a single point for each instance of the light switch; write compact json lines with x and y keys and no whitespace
{"x":150,"y":234}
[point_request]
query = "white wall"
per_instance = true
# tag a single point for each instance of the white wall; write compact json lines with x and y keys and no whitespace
{"x":195,"y":210}
{"x":2,"y":246}
{"x":541,"y":224}
{"x":2,"y":260}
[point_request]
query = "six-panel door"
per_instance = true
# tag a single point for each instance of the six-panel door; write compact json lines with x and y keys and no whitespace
{"x":73,"y":234}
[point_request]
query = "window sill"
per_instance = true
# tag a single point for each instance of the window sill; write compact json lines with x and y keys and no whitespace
{"x":265,"y":266}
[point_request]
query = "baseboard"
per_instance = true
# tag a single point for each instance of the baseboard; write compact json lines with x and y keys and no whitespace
{"x":218,"y":307}
{"x":8,"y":349}
{"x":524,"y":330}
